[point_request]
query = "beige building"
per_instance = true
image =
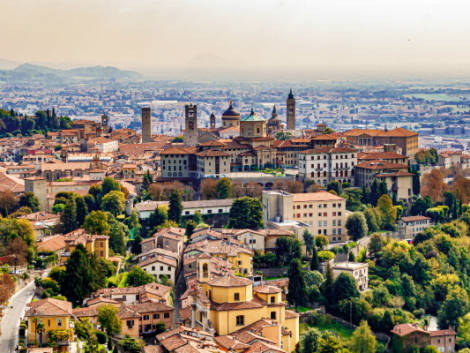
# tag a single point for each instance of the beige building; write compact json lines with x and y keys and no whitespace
{"x":320,"y":212}
{"x":252,"y":126}
{"x":177,"y":162}
{"x":359,"y":270}
{"x":409,"y":227}
{"x":399,"y":183}
{"x":212,"y":163}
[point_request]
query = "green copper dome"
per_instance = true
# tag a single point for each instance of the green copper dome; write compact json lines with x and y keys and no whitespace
{"x":252,"y":117}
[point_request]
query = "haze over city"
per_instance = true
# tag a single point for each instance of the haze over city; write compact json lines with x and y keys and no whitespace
{"x":296,"y":38}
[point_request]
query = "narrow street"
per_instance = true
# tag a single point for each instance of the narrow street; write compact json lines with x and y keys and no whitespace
{"x":11,"y":319}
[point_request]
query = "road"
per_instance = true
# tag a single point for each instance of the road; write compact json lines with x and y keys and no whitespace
{"x":11,"y":318}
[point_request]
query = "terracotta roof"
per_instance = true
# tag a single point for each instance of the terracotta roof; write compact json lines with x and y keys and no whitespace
{"x":266,"y":289}
{"x":10,"y":183}
{"x":406,"y":329}
{"x":172,"y":343}
{"x":212,"y":153}
{"x":291,"y":314}
{"x":230,"y":343}
{"x":187,"y":348}
{"x":316,"y":196}
{"x":380,"y":156}
{"x":377,"y":165}
{"x":153,"y":349}
{"x":49,"y":307}
{"x":230,"y":281}
{"x":52,"y":243}
{"x":178,"y":150}
{"x":159,"y":259}
{"x":259,"y":347}
{"x":398,"y":132}
{"x":414,"y":218}
{"x":85,"y":312}
{"x":252,"y":304}
{"x":442,"y":333}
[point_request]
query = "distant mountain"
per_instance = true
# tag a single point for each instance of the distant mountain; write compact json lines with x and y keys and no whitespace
{"x":31,"y":72}
{"x":8,"y":64}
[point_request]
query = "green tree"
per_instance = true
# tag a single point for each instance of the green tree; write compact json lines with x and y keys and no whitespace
{"x":190,"y":226}
{"x":136,"y":247}
{"x":356,"y":225}
{"x":81,"y":209}
{"x":117,"y":235}
{"x":28,"y":199}
{"x":329,"y":343}
{"x":287,"y":249}
{"x":108,"y":185}
{"x":176,"y":206}
{"x":344,"y":287}
{"x":131,"y":345}
{"x":310,"y":341}
{"x":68,"y":217}
{"x":224,"y":188}
{"x":297,"y":293}
{"x":147,"y":180}
{"x":246,"y":212}
{"x":363,"y":340}
{"x":97,"y":223}
{"x":389,"y":213}
{"x":327,"y":285}
{"x":464,"y":328}
{"x":454,"y":307}
{"x":113,"y":202}
{"x":314,"y":262}
{"x":308,"y":241}
{"x":109,"y":320}
{"x":138,"y":277}
{"x":321,"y":242}
{"x":335,"y":186}
{"x":158,"y":217}
{"x":372,"y":219}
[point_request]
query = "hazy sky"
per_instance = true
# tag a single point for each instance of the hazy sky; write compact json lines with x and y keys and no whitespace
{"x":301,"y":34}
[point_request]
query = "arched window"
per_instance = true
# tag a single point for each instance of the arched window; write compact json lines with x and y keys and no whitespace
{"x":205,"y":270}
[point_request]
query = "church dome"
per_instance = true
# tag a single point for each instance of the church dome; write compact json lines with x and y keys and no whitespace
{"x":231,"y":112}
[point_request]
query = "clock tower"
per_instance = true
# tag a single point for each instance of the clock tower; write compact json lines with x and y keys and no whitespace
{"x":290,"y":112}
{"x":190,"y":132}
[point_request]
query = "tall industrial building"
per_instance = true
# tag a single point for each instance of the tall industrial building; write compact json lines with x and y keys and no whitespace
{"x":146,"y":124}
{"x":290,"y":112}
{"x":190,"y":131}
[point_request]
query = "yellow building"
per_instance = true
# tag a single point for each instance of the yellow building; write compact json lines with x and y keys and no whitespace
{"x":94,"y":243}
{"x":228,"y":304}
{"x":50,"y":319}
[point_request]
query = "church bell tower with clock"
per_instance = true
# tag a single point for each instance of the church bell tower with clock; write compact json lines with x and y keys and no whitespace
{"x":190,"y":131}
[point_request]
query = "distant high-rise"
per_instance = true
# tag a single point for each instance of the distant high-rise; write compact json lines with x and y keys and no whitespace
{"x":146,"y":124}
{"x":290,"y":112}
{"x":190,"y":131}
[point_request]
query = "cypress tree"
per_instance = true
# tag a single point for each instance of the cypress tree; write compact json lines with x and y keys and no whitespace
{"x":297,"y":289}
{"x":81,"y":209}
{"x":314,"y":262}
{"x":69,"y":216}
{"x":176,"y":207}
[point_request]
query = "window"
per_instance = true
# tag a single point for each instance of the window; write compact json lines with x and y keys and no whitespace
{"x":156,"y":316}
{"x":59,"y":322}
{"x":236,"y":297}
{"x":240,"y":320}
{"x":153,"y":268}
{"x":169,"y":268}
{"x":273,"y":315}
{"x":166,"y":315}
{"x":130,"y":323}
{"x":146,"y":317}
{"x":273,"y":300}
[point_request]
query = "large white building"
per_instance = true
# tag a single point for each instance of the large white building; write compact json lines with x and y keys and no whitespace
{"x":325,"y":164}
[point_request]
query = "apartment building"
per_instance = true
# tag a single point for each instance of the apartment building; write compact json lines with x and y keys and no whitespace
{"x":321,"y":212}
{"x":359,"y":270}
{"x":325,"y":164}
{"x":178,"y":162}
{"x":409,"y":227}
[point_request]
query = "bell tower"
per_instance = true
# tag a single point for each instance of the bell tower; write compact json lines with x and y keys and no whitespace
{"x":204,"y":268}
{"x":190,"y":131}
{"x":290,"y":112}
{"x":212,"y":121}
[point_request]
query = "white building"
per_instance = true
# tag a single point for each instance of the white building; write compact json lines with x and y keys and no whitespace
{"x":409,"y":227}
{"x":325,"y":164}
{"x":160,"y":266}
{"x":359,"y":270}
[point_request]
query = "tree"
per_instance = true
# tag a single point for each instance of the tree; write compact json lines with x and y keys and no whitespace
{"x":287,"y":249}
{"x":451,"y":201}
{"x":335,"y":186}
{"x":372,"y":219}
{"x":81,"y":209}
{"x":356,"y":225}
{"x":310,"y":341}
{"x":176,"y":207}
{"x":224,"y":188}
{"x":109,"y":320}
{"x":420,"y":206}
{"x":7,"y":287}
{"x":388,"y":212}
{"x":314,"y":262}
{"x":131,"y":345}
{"x":376,"y":244}
{"x":108,"y":185}
{"x":327,"y":285}
{"x":246,"y":212}
{"x":158,"y":217}
{"x":362,"y":340}
{"x":147,"y":181}
{"x":28,"y":199}
{"x":321,"y":241}
{"x":464,"y":327}
{"x":97,"y":223}
{"x":138,"y":277}
{"x":344,"y":287}
{"x":82,"y":270}
{"x":68,"y":217}
{"x":136,"y":246}
{"x":190,"y":226}
{"x":433,"y":185}
{"x":308,"y":241}
{"x":454,"y":307}
{"x":18,"y":251}
{"x":209,"y":189}
{"x":297,"y":293}
{"x":117,"y":234}
{"x":8,"y":203}
{"x":329,"y":343}
{"x":113,"y":202}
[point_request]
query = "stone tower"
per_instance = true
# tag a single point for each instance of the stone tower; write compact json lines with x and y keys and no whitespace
{"x":290,"y":112}
{"x":146,"y":124}
{"x":190,"y":130}
{"x":212,"y":121}
{"x":105,"y":123}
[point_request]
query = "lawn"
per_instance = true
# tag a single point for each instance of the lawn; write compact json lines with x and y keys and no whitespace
{"x":334,"y":326}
